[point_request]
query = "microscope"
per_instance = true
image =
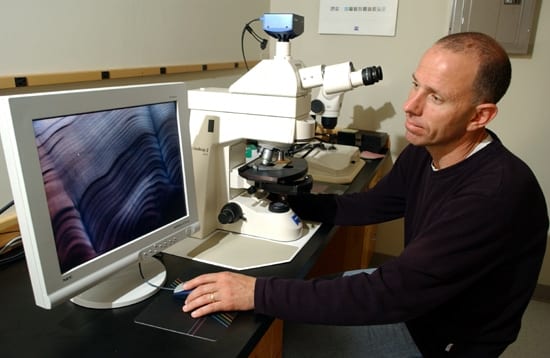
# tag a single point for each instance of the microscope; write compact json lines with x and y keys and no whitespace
{"x":271,"y":106}
{"x":328,"y":161}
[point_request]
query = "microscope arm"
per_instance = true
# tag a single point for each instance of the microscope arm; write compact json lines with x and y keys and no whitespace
{"x":328,"y":107}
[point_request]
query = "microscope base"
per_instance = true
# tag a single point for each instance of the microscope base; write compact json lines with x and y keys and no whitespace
{"x":240,"y":252}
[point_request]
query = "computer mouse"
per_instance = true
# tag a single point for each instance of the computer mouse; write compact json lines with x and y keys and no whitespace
{"x":179,"y":292}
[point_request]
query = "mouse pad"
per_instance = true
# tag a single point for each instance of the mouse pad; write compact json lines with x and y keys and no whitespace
{"x":165,"y":313}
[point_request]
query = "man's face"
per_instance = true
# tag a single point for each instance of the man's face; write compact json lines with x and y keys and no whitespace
{"x":440,"y":103}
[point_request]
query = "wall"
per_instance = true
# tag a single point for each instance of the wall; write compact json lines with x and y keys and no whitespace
{"x":66,"y":35}
{"x":523,"y":121}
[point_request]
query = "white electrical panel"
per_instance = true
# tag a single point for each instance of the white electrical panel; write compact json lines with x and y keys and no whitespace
{"x":510,"y":22}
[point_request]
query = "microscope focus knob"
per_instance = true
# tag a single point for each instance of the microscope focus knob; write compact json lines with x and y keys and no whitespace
{"x":317,"y":106}
{"x":278,"y":207}
{"x":230,"y":213}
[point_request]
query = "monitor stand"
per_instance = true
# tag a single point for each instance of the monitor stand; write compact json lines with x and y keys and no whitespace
{"x":125,"y":287}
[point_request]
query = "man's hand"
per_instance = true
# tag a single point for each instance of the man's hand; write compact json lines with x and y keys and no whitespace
{"x":223,"y":291}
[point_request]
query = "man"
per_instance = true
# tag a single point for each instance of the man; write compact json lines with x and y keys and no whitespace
{"x":475,"y":219}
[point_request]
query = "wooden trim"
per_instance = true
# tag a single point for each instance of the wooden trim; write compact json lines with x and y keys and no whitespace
{"x":222,"y":66}
{"x":23,"y":80}
{"x":9,"y":227}
{"x":7,"y":82}
{"x":132,"y":72}
{"x":45,"y":79}
{"x":184,"y":69}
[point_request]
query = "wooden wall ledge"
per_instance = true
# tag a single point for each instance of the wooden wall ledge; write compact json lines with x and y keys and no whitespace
{"x":84,"y":76}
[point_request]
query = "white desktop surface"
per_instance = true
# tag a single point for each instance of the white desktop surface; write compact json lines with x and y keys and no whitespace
{"x":241,"y":252}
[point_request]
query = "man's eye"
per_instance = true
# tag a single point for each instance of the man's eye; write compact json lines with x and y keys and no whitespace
{"x":436,"y":98}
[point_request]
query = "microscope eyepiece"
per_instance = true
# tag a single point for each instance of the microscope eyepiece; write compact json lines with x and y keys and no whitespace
{"x":371,"y":75}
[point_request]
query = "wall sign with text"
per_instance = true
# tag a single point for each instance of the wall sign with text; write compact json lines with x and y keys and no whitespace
{"x":358,"y":17}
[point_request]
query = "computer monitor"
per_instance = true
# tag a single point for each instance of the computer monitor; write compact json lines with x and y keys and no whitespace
{"x":102,"y":180}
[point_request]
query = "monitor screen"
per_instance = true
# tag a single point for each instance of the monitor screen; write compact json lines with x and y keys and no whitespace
{"x":102,"y":179}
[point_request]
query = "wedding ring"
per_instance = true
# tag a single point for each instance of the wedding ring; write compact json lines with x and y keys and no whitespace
{"x":211,"y":297}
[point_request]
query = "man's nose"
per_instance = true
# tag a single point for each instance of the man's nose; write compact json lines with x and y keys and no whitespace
{"x":414,"y":103}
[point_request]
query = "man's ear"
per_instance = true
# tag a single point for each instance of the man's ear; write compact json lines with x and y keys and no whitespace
{"x":484,"y":113}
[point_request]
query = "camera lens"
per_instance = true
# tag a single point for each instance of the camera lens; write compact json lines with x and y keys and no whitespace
{"x":372,"y":75}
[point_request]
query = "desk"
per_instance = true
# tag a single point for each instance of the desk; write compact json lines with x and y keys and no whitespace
{"x":72,"y":331}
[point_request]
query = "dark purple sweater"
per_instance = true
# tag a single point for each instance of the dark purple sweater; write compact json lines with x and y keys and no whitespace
{"x":475,"y":237}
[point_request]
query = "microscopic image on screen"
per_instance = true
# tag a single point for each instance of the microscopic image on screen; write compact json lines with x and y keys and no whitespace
{"x":109,"y":177}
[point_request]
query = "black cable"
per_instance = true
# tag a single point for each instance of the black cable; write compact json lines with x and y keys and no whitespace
{"x":13,"y":243}
{"x":151,"y":284}
{"x":12,"y":251}
{"x":296,"y":148}
{"x":262,"y":41}
{"x":6,"y":207}
{"x":19,"y":254}
{"x":242,"y":48}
